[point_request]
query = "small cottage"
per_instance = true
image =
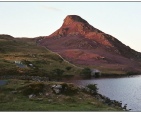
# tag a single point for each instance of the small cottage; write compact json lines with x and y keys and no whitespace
{"x":18,"y":62}
{"x":95,"y":73}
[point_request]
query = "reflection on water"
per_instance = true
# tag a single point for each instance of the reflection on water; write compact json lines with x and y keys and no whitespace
{"x":127,"y":90}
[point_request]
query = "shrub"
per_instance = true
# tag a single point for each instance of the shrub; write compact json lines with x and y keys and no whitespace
{"x":57,"y":74}
{"x":26,"y":62}
{"x":68,"y":68}
{"x":67,"y":76}
{"x":71,"y":99}
{"x":86,"y":73}
{"x":8,"y":71}
{"x":131,"y":73}
{"x":69,"y":89}
{"x":93,"y":88}
{"x":33,"y":88}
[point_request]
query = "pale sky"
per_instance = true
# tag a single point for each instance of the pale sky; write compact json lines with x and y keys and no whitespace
{"x":31,"y":19}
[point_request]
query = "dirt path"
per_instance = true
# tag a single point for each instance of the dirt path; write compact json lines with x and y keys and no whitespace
{"x":63,"y":58}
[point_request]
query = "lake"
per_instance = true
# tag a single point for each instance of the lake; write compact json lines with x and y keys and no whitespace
{"x":127,"y":90}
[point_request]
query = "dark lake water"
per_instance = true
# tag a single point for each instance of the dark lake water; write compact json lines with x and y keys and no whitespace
{"x":3,"y":82}
{"x":127,"y":90}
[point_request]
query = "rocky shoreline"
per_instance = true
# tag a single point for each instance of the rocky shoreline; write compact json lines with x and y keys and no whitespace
{"x":105,"y":100}
{"x":25,"y":77}
{"x":58,"y":88}
{"x":110,"y":102}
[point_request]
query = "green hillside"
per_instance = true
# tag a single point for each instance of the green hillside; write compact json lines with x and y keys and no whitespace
{"x":37,"y":60}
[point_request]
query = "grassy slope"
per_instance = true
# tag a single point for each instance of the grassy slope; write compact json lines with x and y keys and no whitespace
{"x":18,"y":102}
{"x":19,"y":49}
{"x":14,"y":49}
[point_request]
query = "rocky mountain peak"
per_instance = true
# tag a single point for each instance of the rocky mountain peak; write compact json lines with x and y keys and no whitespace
{"x":82,"y":44}
{"x":73,"y":18}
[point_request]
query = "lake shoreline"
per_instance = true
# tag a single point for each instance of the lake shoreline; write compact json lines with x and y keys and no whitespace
{"x":101,"y":78}
{"x":89,"y":101}
{"x":117,"y":75}
{"x":125,"y":89}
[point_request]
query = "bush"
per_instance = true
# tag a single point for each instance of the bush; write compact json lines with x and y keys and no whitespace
{"x":131,"y":73}
{"x":57,"y":74}
{"x":71,"y":99}
{"x":93,"y":88}
{"x":68,"y":68}
{"x":26,"y":62}
{"x":69,"y":89}
{"x":67,"y":76}
{"x":33,"y":88}
{"x":8,"y":71}
{"x":86,"y":73}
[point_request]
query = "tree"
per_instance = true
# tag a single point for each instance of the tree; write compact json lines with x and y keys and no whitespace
{"x":57,"y":74}
{"x":86,"y":73}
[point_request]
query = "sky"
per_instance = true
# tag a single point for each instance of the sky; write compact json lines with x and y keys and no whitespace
{"x":31,"y":19}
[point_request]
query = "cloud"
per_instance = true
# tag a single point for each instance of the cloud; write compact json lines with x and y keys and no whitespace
{"x":52,"y":8}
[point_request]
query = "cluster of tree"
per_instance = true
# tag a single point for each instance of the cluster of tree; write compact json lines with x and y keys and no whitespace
{"x":58,"y":74}
{"x":86,"y":73}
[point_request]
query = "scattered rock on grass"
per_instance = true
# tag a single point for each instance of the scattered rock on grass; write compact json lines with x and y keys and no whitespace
{"x":93,"y":103}
{"x":39,"y":99}
{"x":31,"y":96}
{"x":13,"y":92}
{"x":57,"y":91}
{"x":50,"y":100}
{"x":47,"y":94}
{"x":57,"y":88}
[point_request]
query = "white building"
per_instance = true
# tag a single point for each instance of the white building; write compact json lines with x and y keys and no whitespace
{"x":95,"y":73}
{"x":18,"y":62}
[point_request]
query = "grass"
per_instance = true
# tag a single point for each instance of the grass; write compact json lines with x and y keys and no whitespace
{"x":18,"y":102}
{"x":44,"y":106}
{"x":110,"y":71}
{"x":26,"y":49}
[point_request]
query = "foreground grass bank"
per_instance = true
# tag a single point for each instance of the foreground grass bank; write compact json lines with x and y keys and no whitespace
{"x":24,"y":95}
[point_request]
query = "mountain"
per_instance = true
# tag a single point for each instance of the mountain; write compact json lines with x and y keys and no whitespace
{"x":82,"y":44}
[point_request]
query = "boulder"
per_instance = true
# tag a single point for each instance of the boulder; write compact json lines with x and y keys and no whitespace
{"x":13,"y":92}
{"x":58,"y":86}
{"x":47,"y":94}
{"x":50,"y":100}
{"x":31,"y":96}
{"x":57,"y":91}
{"x":53,"y":86}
